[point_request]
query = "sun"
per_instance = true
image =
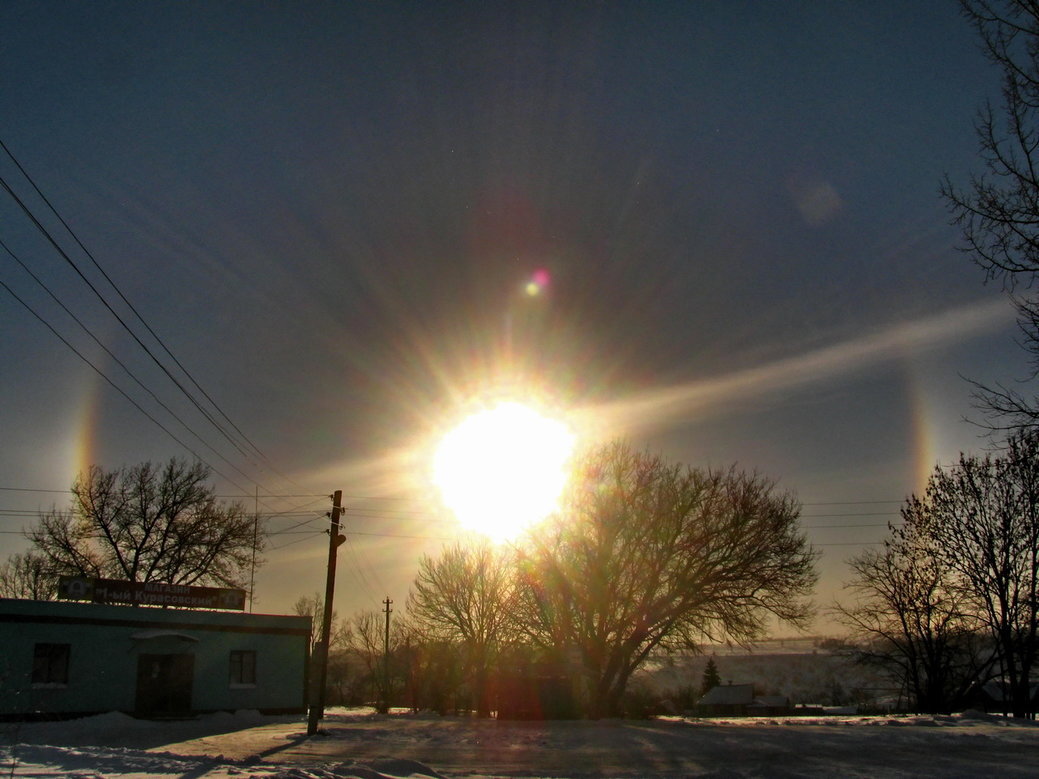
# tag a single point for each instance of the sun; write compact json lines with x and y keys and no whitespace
{"x":503,"y":468}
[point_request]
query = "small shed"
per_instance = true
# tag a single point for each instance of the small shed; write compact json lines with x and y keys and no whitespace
{"x":770,"y":706}
{"x":69,"y":659}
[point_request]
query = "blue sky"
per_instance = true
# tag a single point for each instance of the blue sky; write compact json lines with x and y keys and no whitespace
{"x":328,"y":211}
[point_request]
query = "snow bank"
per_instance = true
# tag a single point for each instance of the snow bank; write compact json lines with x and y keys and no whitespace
{"x":362,"y":744}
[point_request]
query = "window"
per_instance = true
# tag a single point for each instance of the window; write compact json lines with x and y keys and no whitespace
{"x":50,"y":664}
{"x":243,"y":667}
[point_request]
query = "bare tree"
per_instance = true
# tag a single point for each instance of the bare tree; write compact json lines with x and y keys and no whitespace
{"x":434,"y":676}
{"x":981,"y":518}
{"x":645,"y":555}
{"x":367,"y":642}
{"x":341,"y":677}
{"x":28,"y":575}
{"x":908,"y":619}
{"x":998,"y":213}
{"x":149,"y":523}
{"x":466,"y":596}
{"x":313,"y":606}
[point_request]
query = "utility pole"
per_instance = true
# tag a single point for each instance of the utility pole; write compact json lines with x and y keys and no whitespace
{"x":256,"y":532}
{"x":386,"y":656}
{"x":317,"y":703}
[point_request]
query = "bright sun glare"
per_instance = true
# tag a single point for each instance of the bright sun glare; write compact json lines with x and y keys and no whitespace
{"x":503,"y":468}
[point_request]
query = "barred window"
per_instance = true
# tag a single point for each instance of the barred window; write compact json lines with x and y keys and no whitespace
{"x":243,"y":666}
{"x":50,"y":663}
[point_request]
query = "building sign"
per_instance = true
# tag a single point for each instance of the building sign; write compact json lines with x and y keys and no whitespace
{"x":114,"y":591}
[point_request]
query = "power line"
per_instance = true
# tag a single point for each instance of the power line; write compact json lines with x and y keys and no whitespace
{"x":119,"y":362}
{"x":851,"y":502}
{"x":115,"y":386}
{"x":835,"y":527}
{"x":415,"y":516}
{"x":236,"y":495}
{"x":377,"y":497}
{"x":29,"y":489}
{"x":295,"y":510}
{"x":309,"y":517}
{"x":317,"y":495}
{"x":189,"y":395}
{"x":290,"y":543}
{"x":313,"y":516}
{"x":406,"y":514}
{"x":856,"y":514}
{"x":270,"y":495}
{"x":358,"y":570}
{"x":291,"y":528}
{"x":119,"y":292}
{"x":39,"y":226}
{"x":395,"y":535}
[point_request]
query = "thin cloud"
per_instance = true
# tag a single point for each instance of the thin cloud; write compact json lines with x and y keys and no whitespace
{"x":684,"y":402}
{"x":403,"y":473}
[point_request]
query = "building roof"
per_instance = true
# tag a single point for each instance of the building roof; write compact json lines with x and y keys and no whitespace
{"x":146,"y":618}
{"x":728,"y":695}
{"x":771,"y":701}
{"x":998,"y":690}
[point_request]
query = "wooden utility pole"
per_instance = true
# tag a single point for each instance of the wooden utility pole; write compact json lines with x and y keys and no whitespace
{"x":386,"y":656}
{"x":317,"y":704}
{"x":256,"y":533}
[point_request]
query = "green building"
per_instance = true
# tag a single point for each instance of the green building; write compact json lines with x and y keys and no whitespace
{"x":67,"y":659}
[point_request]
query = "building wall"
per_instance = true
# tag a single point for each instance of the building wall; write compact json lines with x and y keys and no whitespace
{"x":107,"y":642}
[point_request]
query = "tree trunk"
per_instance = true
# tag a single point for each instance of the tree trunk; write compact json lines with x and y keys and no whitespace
{"x":480,"y":692}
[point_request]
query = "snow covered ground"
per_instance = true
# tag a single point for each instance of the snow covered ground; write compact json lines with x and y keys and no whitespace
{"x":360,"y":743}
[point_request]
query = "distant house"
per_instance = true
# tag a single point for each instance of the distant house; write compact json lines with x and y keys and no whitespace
{"x":66,"y":659}
{"x":994,"y":696}
{"x":738,"y":700}
{"x":726,"y":700}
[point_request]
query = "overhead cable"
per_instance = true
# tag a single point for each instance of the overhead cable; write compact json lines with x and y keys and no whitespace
{"x":122,"y":297}
{"x":116,"y":387}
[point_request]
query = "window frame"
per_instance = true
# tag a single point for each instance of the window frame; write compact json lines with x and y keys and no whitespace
{"x":50,"y":664}
{"x":241,"y":672}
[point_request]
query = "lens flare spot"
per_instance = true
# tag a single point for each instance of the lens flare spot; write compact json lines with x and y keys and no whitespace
{"x":537,"y":283}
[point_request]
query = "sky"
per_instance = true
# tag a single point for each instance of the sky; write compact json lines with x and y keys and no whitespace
{"x":328,"y":213}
